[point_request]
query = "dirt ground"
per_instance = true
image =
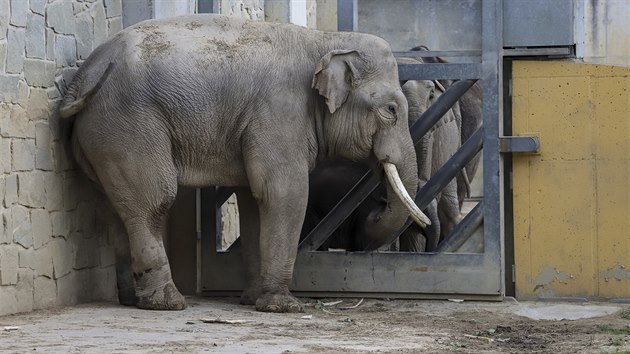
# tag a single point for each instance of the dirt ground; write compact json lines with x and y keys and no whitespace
{"x":376,"y":325}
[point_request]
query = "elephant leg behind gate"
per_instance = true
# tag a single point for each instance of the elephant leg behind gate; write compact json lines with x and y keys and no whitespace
{"x":250,"y":239}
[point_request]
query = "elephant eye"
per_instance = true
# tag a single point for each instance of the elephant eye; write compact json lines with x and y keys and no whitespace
{"x":392,"y":109}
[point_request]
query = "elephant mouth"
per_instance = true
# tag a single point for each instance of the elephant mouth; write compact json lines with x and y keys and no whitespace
{"x":397,"y":185}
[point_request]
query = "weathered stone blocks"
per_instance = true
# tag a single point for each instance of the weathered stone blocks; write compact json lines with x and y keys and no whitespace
{"x":6,"y":226}
{"x":5,"y":17}
{"x":3,"y":54}
{"x":8,"y":264}
{"x":65,"y":50}
{"x":62,"y":253}
{"x":43,"y":144}
{"x":38,"y":6}
{"x":15,"y":50}
{"x":100,"y":24}
{"x":24,"y":290}
{"x":22,"y":228}
{"x":19,"y":9}
{"x":55,"y":248}
{"x":44,"y":292}
{"x":85,"y":35}
{"x":39,"y":73}
{"x":16,"y":125}
{"x":60,"y":17}
{"x":31,"y":189}
{"x":5,"y":152}
{"x":23,"y":154}
{"x":35,"y":37}
{"x":113,"y":8}
{"x":42,"y":228}
{"x":10,"y":190}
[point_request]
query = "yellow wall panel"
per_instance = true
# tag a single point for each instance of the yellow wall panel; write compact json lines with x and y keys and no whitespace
{"x":572,"y":200}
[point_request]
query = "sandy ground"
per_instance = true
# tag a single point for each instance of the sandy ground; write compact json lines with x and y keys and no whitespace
{"x":399,"y":326}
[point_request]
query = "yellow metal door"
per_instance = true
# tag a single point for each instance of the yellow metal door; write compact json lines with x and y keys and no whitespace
{"x":572,"y":199}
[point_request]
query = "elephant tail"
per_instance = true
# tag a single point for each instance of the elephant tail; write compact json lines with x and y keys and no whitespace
{"x":72,"y":104}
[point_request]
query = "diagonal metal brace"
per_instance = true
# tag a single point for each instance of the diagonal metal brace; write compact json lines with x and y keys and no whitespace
{"x":462,"y":232}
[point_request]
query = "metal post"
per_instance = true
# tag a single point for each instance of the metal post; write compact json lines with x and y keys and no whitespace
{"x":492,"y":79}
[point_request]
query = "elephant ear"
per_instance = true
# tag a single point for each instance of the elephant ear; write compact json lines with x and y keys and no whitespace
{"x":335,"y":76}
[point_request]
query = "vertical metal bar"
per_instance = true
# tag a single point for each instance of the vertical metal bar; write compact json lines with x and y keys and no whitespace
{"x":492,"y":70}
{"x":508,"y":207}
{"x":347,"y":15}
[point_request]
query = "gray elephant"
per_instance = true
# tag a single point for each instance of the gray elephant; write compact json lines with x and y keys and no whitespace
{"x":432,"y":152}
{"x":210,"y":100}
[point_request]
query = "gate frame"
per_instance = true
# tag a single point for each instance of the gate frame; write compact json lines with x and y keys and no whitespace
{"x":393,"y":274}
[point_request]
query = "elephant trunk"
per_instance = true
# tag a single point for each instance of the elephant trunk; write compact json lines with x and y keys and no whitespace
{"x":380,"y":224}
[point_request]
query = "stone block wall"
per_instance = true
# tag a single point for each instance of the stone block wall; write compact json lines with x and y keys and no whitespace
{"x":56,"y":230}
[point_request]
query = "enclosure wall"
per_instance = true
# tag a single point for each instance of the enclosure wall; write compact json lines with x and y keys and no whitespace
{"x":572,"y":200}
{"x":56,"y":230}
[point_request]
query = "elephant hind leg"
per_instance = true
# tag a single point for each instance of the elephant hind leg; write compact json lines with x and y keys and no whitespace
{"x":142,"y":197}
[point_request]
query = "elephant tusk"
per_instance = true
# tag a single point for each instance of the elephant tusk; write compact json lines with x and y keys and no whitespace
{"x":394,"y":180}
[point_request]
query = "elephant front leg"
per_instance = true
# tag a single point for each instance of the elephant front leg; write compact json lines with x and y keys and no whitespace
{"x":281,"y":200}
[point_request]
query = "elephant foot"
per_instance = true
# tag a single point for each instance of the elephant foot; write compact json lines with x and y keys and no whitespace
{"x":165,"y":298}
{"x":278,"y":303}
{"x":250,"y":295}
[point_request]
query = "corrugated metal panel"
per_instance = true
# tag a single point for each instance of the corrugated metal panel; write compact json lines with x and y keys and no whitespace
{"x":572,"y":200}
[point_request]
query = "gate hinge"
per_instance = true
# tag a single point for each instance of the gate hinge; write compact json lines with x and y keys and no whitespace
{"x":514,"y":144}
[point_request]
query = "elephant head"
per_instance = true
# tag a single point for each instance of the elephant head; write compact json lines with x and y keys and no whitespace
{"x":367,"y":119}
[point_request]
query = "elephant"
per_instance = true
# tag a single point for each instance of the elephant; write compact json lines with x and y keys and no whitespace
{"x":209,"y":100}
{"x":471,"y":110}
{"x":432,"y":151}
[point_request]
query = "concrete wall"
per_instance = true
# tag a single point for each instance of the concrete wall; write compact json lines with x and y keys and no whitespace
{"x":56,"y":232}
{"x":440,"y":25}
{"x":606,"y":33}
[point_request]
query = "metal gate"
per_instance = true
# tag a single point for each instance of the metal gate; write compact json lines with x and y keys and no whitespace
{"x":397,"y":274}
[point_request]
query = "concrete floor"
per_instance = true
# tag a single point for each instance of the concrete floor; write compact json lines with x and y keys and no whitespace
{"x":375,"y":325}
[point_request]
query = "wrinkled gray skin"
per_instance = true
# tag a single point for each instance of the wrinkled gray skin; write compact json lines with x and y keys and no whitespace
{"x":209,"y":100}
{"x":330,"y":181}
